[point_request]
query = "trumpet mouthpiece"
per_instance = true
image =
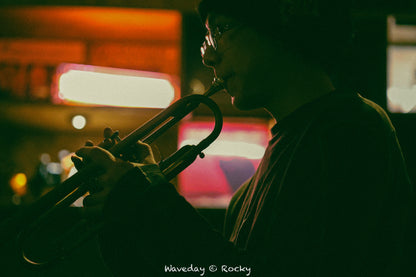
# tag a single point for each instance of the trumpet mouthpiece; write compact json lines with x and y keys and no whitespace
{"x":217,"y":85}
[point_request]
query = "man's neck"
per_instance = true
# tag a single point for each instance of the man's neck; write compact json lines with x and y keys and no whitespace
{"x":302,"y":91}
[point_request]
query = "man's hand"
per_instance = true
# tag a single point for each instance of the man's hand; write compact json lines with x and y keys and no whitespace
{"x":113,"y":168}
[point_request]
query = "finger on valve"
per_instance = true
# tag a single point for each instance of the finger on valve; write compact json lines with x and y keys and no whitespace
{"x":77,"y":161}
{"x":97,"y":155}
{"x":146,"y":152}
{"x":110,"y":138}
{"x":140,"y":153}
{"x":108,"y":132}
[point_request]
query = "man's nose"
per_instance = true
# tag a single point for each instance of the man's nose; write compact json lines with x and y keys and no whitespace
{"x":210,"y":57}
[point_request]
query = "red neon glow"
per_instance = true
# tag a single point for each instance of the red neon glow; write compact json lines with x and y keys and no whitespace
{"x":95,"y":85}
{"x":229,"y":161}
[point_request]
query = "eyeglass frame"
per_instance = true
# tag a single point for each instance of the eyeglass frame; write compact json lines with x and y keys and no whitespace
{"x":212,"y":38}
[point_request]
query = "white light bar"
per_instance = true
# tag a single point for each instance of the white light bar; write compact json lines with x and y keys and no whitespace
{"x":231,"y":149}
{"x":95,"y":85}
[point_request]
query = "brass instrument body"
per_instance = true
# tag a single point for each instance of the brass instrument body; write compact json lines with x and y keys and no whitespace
{"x":77,"y":185}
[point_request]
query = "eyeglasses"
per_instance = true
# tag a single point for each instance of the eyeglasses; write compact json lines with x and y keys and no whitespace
{"x":213,"y":36}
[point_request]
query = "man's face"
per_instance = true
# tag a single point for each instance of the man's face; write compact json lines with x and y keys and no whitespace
{"x":245,"y":60}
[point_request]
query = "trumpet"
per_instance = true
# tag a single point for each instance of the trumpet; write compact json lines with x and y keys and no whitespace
{"x":20,"y":226}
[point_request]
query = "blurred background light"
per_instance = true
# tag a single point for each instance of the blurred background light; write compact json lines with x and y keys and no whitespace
{"x":401,"y":66}
{"x":106,"y":86}
{"x":18,"y":183}
{"x":79,"y":122}
{"x":54,"y":168}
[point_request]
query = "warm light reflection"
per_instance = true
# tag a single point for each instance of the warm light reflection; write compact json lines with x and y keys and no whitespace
{"x":114,"y":87}
{"x":66,"y":163}
{"x":18,"y":183}
{"x":231,"y":149}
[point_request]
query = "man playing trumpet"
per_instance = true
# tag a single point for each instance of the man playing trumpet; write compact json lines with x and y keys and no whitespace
{"x":331,"y":195}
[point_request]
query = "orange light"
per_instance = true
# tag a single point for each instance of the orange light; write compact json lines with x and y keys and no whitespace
{"x":95,"y":85}
{"x":18,"y":183}
{"x":106,"y":23}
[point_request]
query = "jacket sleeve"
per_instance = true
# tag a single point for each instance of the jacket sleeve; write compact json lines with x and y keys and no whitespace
{"x":149,"y":226}
{"x":341,"y":209}
{"x":364,"y":200}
